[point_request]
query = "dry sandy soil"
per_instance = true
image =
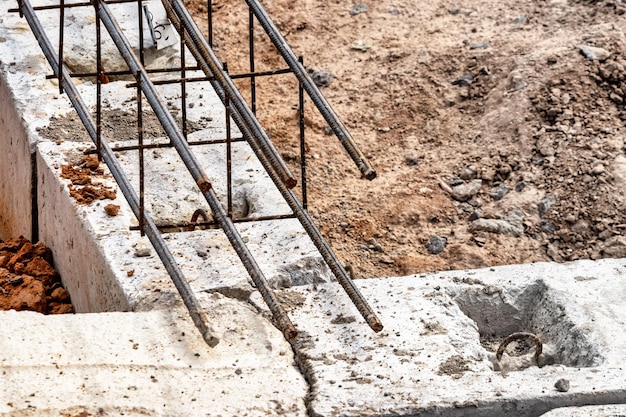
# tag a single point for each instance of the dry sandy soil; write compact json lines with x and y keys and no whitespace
{"x":495,"y":138}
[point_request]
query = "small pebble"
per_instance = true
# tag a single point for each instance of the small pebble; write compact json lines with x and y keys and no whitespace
{"x":498,"y":193}
{"x":112,"y":209}
{"x":141,"y":251}
{"x":562,"y":385}
{"x":598,"y":170}
{"x":358,"y":8}
{"x":480,"y":45}
{"x":436,"y":244}
{"x":593,"y":53}
{"x":547,"y":227}
{"x":520,"y":20}
{"x":468,"y":173}
{"x":476,"y":214}
{"x":321,"y":78}
{"x":464,"y":80}
{"x":545,"y":204}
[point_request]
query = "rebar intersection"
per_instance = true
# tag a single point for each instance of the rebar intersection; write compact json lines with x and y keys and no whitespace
{"x":236,"y":107}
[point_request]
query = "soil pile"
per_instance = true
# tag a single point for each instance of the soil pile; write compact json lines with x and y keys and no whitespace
{"x":28,"y":281}
{"x":496,"y":128}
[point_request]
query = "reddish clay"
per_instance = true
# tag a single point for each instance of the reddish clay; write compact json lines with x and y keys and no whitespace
{"x":82,"y":188}
{"x":28,"y":281}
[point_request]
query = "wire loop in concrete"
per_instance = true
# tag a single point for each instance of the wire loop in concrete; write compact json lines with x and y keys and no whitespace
{"x":519,"y":336}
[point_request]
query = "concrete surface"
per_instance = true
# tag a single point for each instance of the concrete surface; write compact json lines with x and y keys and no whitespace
{"x":429,"y":360}
{"x":435,"y":356}
{"x":589,"y":411}
{"x":147,"y":364}
{"x":15,"y":169}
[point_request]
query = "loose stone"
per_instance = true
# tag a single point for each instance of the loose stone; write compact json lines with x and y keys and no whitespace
{"x":464,"y":80}
{"x":593,"y":53}
{"x":436,"y":244}
{"x":480,"y":45}
{"x":562,"y":385}
{"x":358,"y":8}
{"x":462,"y":192}
{"x":545,"y":204}
{"x":498,"y":193}
{"x":321,"y":78}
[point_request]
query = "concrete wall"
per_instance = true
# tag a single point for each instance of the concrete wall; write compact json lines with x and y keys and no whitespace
{"x":15,"y":170}
{"x":86,"y":274}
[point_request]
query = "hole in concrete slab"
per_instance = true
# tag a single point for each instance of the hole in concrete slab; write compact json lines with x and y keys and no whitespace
{"x":499,"y":312}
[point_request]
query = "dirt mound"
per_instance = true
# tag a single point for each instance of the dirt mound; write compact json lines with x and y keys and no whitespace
{"x":28,"y":281}
{"x":496,"y":128}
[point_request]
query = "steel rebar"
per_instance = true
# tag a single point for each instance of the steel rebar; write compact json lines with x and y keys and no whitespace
{"x":179,"y":14}
{"x":316,"y":96}
{"x":224,"y":87}
{"x":195,"y":311}
{"x":169,"y":124}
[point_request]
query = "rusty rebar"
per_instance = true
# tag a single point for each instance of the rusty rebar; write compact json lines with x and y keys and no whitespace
{"x":195,"y":311}
{"x":229,"y":155}
{"x":173,"y":132}
{"x":61,"y":36}
{"x":194,"y":219}
{"x":303,"y":187}
{"x":313,"y":91}
{"x":224,"y":87}
{"x":204,"y":56}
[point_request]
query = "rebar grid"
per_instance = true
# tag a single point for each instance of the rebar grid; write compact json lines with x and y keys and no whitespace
{"x":236,"y":108}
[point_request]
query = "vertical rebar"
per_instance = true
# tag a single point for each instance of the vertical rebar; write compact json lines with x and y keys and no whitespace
{"x":61,"y":32}
{"x":183,"y":84}
{"x":229,"y":164}
{"x":99,"y":80}
{"x":210,"y":22}
{"x":142,"y":200}
{"x":169,"y":124}
{"x":302,"y":141}
{"x":193,"y":306}
{"x":252,"y":77}
{"x":207,"y":61}
{"x":312,"y":90}
{"x":224,"y":86}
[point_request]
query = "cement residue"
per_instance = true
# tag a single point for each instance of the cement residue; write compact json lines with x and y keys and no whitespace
{"x":117,"y":125}
{"x":455,"y":366}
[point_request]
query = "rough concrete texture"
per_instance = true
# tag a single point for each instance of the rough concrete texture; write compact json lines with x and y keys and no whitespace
{"x":147,"y":364}
{"x":80,"y":25}
{"x":15,"y":169}
{"x":614,"y":410}
{"x":435,"y":356}
{"x":102,"y":262}
{"x":431,"y":358}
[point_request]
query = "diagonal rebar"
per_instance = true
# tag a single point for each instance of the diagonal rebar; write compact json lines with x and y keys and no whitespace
{"x":193,"y":306}
{"x":206,"y":59}
{"x":180,"y":144}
